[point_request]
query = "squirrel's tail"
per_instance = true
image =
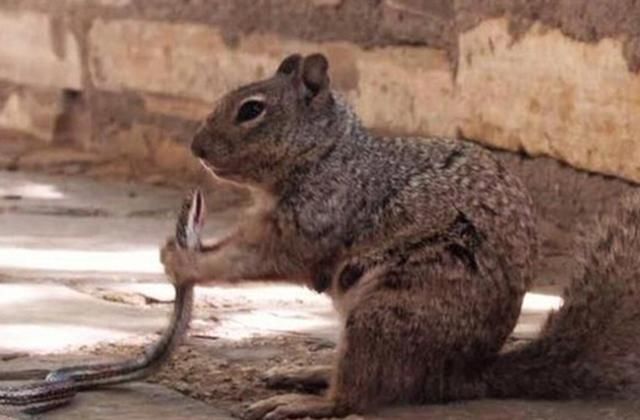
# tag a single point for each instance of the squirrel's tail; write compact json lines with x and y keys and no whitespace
{"x":590,"y":348}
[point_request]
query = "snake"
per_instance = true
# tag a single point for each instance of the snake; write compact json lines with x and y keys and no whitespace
{"x":60,"y":386}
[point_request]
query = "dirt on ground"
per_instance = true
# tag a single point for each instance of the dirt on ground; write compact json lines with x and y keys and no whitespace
{"x":230,"y":374}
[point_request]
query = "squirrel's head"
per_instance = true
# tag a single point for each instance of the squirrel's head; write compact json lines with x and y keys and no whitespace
{"x":259,"y":131}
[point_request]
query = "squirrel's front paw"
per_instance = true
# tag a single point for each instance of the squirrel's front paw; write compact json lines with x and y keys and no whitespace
{"x":181,"y":265}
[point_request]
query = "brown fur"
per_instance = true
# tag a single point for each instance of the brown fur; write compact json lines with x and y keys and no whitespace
{"x":426,"y":246}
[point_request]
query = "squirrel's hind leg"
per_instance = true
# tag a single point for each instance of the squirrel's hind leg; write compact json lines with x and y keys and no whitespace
{"x":397,"y":347}
{"x":393,"y":351}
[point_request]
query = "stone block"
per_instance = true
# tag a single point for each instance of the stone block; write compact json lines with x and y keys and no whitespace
{"x":396,"y":88}
{"x":188,"y":60}
{"x":550,"y":95}
{"x":187,"y":109}
{"x":151,"y":145}
{"x":418,"y":21}
{"x":32,"y":111}
{"x":406,"y":90}
{"x":38,"y":49}
{"x":543,"y":92}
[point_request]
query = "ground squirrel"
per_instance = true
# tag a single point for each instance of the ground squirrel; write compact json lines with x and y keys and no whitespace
{"x":426,"y":247}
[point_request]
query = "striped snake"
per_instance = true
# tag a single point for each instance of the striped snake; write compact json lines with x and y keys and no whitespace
{"x":59,"y":386}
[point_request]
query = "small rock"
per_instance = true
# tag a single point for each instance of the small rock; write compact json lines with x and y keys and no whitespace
{"x":321,"y":345}
{"x":182,"y":386}
{"x":5,"y":357}
{"x":12,"y":197}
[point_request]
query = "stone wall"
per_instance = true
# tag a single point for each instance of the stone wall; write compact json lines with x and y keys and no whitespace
{"x":131,"y":78}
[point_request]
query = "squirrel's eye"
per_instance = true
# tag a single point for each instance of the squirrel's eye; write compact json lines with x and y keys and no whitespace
{"x":249,"y":110}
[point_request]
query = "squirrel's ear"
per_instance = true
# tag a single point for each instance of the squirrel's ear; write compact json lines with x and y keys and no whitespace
{"x":315,"y":75}
{"x":309,"y":75}
{"x":290,"y":65}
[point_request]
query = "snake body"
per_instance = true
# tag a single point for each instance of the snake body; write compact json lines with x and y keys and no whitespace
{"x":60,"y":386}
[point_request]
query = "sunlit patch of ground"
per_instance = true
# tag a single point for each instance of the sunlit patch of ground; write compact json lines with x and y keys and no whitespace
{"x":135,"y":261}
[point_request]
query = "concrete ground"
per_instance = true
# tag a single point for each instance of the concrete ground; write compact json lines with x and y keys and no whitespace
{"x":80,"y":280}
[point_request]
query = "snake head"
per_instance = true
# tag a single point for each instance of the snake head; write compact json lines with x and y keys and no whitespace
{"x":191,"y":221}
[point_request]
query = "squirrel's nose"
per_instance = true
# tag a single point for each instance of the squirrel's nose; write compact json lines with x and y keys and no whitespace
{"x":197,"y":144}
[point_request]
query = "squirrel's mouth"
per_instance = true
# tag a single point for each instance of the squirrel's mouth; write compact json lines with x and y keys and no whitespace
{"x":215,"y":171}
